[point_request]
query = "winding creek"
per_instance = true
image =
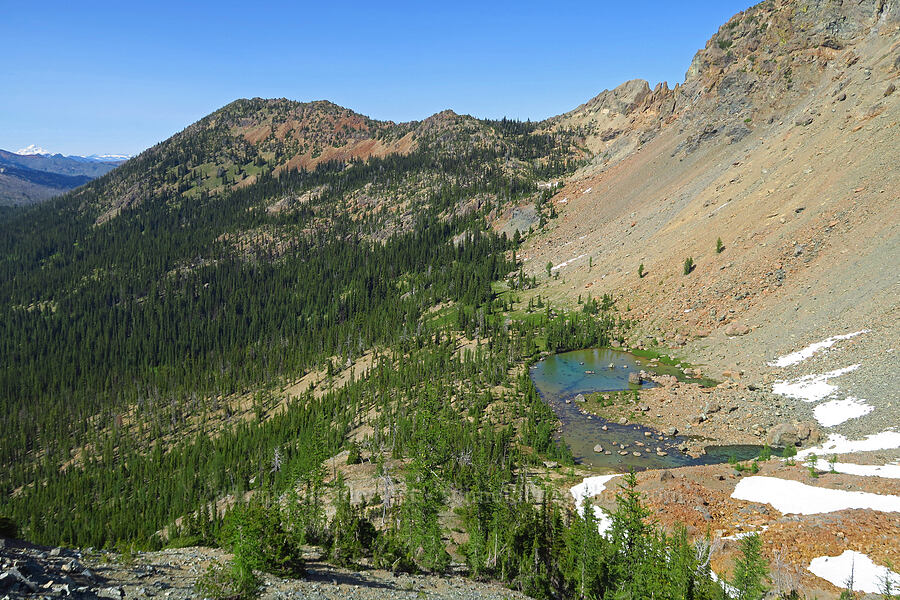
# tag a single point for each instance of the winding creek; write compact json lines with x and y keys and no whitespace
{"x":562,"y":377}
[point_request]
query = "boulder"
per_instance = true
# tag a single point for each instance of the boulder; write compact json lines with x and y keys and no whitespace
{"x":783,"y":435}
{"x":808,"y":432}
{"x":672,"y":431}
{"x":712,"y":407}
{"x":598,"y":449}
{"x":580,"y":398}
{"x":737,"y":329}
{"x":666,"y":475}
{"x":623,"y":421}
{"x":635,"y":378}
{"x":13,"y":577}
{"x":551,"y":464}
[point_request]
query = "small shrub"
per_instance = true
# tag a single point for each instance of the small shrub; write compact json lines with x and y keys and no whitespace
{"x":719,"y":246}
{"x":353,"y":456}
{"x":235,"y":580}
{"x":789,"y":452}
{"x":688,"y":265}
{"x":641,"y":271}
{"x":831,"y":462}
{"x":766,"y":452}
{"x":811,"y":461}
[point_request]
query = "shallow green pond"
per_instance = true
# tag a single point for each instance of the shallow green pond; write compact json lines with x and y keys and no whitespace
{"x":563,"y":376}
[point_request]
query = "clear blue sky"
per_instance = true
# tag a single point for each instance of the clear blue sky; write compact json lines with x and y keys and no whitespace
{"x":98,"y":77}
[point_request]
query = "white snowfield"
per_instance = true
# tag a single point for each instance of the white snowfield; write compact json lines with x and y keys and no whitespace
{"x":886,"y":471}
{"x":800,"y":355}
{"x":835,"y":412}
{"x":793,"y":497}
{"x":590,"y":487}
{"x":838,"y":444}
{"x":811,"y":388}
{"x":867,"y":576}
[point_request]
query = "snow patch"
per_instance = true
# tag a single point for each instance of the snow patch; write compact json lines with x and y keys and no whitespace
{"x":835,"y":412}
{"x":564,"y":263}
{"x":730,"y":590}
{"x":838,"y":444}
{"x":811,"y":388}
{"x":886,"y":471}
{"x":743,"y":534}
{"x":867,"y":576}
{"x":793,"y":497}
{"x":800,"y":355}
{"x":590,"y":487}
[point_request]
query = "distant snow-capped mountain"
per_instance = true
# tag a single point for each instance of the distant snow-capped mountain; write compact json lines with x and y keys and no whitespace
{"x":34,"y":150}
{"x":108,"y":157}
{"x":31,"y":150}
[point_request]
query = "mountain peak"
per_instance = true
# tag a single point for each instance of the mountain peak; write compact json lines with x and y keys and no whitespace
{"x":32,"y":150}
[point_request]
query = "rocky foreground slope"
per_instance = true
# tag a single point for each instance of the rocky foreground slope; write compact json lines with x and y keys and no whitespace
{"x":39,"y":572}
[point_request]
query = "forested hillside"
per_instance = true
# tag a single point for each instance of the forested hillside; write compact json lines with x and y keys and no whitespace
{"x":130,"y":329}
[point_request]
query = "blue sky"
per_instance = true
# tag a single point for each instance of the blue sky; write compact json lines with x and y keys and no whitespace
{"x":98,"y":77}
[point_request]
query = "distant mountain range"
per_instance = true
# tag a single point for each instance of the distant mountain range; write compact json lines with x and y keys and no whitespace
{"x":32,"y":175}
{"x":34,"y":150}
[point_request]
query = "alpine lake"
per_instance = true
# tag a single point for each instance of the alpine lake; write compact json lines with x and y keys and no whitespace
{"x":560,"y":378}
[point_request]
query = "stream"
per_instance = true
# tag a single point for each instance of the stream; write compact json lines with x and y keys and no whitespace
{"x":562,"y":377}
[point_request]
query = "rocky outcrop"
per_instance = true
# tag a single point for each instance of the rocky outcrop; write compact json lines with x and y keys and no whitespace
{"x":787,"y":434}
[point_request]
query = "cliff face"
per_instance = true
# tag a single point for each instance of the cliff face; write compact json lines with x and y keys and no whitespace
{"x":758,"y":65}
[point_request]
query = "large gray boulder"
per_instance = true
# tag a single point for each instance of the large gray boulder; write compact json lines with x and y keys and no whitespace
{"x":783,"y":435}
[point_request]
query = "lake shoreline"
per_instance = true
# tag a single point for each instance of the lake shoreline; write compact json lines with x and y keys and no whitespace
{"x":659,"y":423}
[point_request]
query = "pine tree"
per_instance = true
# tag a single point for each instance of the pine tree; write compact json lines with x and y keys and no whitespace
{"x":751,"y":570}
